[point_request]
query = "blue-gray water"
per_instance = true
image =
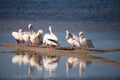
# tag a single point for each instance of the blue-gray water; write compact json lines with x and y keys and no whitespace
{"x":65,"y":10}
{"x":98,"y":19}
{"x":88,"y":15}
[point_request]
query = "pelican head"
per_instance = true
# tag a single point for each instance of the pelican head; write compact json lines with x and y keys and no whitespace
{"x":50,"y":28}
{"x":67,"y":32}
{"x":30,"y":27}
{"x":20,"y":30}
{"x":40,"y":31}
{"x":80,"y":33}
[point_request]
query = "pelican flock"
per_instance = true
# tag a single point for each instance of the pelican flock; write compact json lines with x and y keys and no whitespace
{"x":50,"y":40}
{"x":30,"y":37}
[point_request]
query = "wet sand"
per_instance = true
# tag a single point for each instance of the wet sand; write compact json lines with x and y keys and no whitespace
{"x":63,"y":51}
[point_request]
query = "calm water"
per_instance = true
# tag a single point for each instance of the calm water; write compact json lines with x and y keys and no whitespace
{"x":98,"y":19}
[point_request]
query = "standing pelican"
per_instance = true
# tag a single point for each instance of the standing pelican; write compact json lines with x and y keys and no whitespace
{"x":26,"y":37}
{"x":50,"y":39}
{"x":18,"y":36}
{"x":72,"y":39}
{"x":85,"y":43}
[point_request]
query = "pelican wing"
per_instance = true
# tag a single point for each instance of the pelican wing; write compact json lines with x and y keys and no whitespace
{"x":50,"y":39}
{"x":15,"y":35}
{"x":26,"y":37}
{"x":89,"y":43}
{"x":68,"y":36}
{"x":75,"y":37}
{"x":54,"y":41}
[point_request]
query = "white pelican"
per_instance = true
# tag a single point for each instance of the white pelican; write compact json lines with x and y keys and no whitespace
{"x":50,"y":39}
{"x":85,"y":43}
{"x":35,"y":38}
{"x":26,"y":35}
{"x":18,"y":36}
{"x":72,"y":39}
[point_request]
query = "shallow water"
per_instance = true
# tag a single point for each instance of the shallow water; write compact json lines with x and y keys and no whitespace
{"x":12,"y":68}
{"x":79,"y":70}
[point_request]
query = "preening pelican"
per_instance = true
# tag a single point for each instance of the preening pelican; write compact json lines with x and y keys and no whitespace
{"x":50,"y":39}
{"x":26,"y":35}
{"x":35,"y":38}
{"x":72,"y":39}
{"x":85,"y":43}
{"x":18,"y":36}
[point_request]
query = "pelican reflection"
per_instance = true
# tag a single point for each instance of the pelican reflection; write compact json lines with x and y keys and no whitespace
{"x":32,"y":59}
{"x":50,"y":63}
{"x":76,"y":62}
{"x":18,"y":58}
{"x":35,"y":62}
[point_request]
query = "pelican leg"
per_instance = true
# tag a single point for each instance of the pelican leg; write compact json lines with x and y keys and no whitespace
{"x":46,"y":45}
{"x":17,"y":41}
{"x":50,"y":47}
{"x":28,"y":44}
{"x":73,"y":46}
{"x":35,"y":45}
{"x":85,"y":48}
